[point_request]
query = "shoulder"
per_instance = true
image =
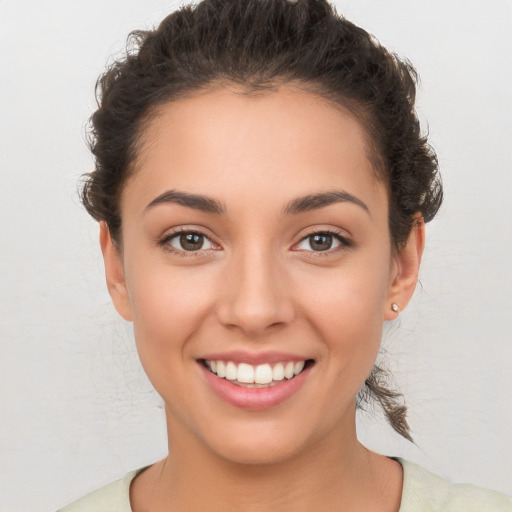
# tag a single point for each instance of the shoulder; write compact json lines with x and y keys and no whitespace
{"x":114,"y":497}
{"x":424,"y":491}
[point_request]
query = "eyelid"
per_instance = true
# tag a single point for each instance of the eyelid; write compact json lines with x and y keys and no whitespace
{"x":163,"y":241}
{"x":345,"y":241}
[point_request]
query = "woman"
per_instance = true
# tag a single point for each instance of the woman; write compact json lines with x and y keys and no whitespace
{"x":262,"y":188}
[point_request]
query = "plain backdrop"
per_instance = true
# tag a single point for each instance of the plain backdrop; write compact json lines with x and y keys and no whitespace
{"x":76,"y":410}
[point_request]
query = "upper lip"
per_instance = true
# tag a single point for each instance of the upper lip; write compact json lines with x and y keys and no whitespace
{"x":254,"y":358}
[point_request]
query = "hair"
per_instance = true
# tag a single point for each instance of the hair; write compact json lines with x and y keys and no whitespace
{"x":259,"y":45}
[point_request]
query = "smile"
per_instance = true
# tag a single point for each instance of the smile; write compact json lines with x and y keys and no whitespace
{"x":250,"y":376}
{"x":258,"y":386}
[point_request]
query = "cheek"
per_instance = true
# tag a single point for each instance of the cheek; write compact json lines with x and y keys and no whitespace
{"x":346,"y":307}
{"x":168,"y":304}
{"x":166,"y":297}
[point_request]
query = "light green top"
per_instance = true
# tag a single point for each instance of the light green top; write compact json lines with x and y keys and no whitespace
{"x":422,"y":492}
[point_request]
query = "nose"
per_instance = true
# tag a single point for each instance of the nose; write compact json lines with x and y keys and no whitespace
{"x":256,"y":297}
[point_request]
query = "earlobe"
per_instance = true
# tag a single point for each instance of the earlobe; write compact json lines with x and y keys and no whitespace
{"x":407,"y":265}
{"x":114,"y":273}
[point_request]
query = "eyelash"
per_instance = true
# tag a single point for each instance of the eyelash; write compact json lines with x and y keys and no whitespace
{"x":164,"y":243}
{"x":345,"y":243}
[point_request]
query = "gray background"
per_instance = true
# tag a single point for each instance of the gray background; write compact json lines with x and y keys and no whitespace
{"x":76,"y":410}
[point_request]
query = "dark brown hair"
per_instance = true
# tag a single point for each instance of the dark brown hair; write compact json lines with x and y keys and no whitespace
{"x":260,"y":44}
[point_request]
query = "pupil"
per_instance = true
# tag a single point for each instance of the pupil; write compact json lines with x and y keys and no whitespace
{"x":191,"y":241}
{"x":321,"y":242}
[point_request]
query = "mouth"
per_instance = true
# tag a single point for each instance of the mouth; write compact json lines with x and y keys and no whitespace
{"x":256,"y":376}
{"x":257,"y":386}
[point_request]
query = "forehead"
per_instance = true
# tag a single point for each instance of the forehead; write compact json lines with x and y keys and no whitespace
{"x":222,"y":142}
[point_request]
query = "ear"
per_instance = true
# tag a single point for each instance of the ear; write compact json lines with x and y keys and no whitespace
{"x":114,"y":273}
{"x":406,"y":268}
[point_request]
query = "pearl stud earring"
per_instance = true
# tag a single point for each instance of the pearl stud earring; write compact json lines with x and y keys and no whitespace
{"x":395,"y":307}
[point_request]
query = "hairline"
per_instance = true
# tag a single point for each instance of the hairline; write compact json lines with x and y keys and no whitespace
{"x":252,"y":87}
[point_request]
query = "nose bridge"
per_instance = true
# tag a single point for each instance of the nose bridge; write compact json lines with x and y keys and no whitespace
{"x":255,"y":295}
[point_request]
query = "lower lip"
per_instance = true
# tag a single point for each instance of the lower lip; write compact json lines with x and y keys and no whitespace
{"x":255,"y":399}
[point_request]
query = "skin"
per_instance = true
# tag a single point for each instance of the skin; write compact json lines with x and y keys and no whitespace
{"x":259,"y":286}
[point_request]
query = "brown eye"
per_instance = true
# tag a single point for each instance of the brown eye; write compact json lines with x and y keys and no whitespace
{"x":190,"y":241}
{"x":320,"y":242}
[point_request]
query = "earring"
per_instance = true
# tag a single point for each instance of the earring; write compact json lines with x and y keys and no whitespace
{"x":394,"y":307}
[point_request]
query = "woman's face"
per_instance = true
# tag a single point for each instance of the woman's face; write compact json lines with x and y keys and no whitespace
{"x":255,"y":236}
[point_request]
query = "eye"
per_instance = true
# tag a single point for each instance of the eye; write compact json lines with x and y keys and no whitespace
{"x":322,"y":241}
{"x":189,"y":241}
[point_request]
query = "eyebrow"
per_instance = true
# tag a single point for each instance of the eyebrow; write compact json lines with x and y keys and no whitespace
{"x":296,"y":206}
{"x":321,"y":200}
{"x":195,"y":201}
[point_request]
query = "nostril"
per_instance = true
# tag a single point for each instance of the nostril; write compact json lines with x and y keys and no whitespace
{"x":254,"y":302}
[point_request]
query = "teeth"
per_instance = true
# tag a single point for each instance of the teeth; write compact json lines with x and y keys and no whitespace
{"x":288,"y":370}
{"x":278,"y":372}
{"x":298,"y":367}
{"x":221,"y":369}
{"x":245,"y":373}
{"x":231,"y":371}
{"x":262,"y":374}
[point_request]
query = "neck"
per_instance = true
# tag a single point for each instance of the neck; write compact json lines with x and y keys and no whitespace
{"x":336,"y":473}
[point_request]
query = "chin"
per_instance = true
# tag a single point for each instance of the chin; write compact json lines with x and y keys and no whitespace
{"x":258,"y":454}
{"x":259,"y":444}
